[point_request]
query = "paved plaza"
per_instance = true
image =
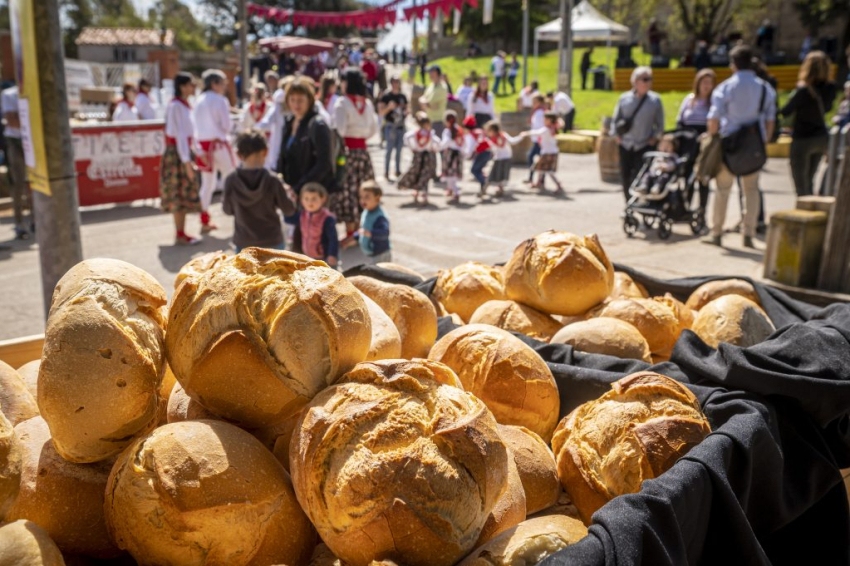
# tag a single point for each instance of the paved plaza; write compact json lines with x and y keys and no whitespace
{"x":423,"y":238}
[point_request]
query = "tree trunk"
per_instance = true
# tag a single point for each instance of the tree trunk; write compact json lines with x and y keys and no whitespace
{"x":843,"y":56}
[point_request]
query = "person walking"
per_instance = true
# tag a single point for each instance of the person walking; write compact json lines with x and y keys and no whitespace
{"x":809,"y":103}
{"x":513,"y":71}
{"x":693,"y":116}
{"x":736,"y":103}
{"x":435,"y":99}
{"x":561,"y":104}
{"x":355,"y":120}
{"x":15,"y":161}
{"x":585,"y":66}
{"x":212,"y":129}
{"x":637,"y":124}
{"x":497,"y":66}
{"x":392,"y":107}
{"x":179,"y":186}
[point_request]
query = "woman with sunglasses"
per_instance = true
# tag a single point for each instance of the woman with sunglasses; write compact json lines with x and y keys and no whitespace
{"x":638,"y":124}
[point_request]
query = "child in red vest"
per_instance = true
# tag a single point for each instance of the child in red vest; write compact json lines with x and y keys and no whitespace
{"x":424,"y":143}
{"x":476,"y":148}
{"x":315,"y":233}
{"x":500,"y":143}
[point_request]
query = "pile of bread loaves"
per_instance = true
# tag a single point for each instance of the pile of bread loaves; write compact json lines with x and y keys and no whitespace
{"x":277,"y":413}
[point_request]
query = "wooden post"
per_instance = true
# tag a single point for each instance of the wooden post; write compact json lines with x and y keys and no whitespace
{"x":835,"y":266}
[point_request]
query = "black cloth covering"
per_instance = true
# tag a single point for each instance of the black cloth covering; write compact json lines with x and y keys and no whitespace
{"x":764,"y":487}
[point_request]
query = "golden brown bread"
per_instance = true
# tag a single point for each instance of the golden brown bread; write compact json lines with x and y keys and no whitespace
{"x":401,"y":268}
{"x":283,"y":441}
{"x":564,"y":506}
{"x":205,"y":492}
{"x":16,"y":402}
{"x":165,"y":388}
{"x":510,"y":508}
{"x":467,"y":286}
{"x":63,"y":498}
{"x":103,"y":359}
{"x":255,"y":337}
{"x":654,"y":318}
{"x":29,"y":374}
{"x":386,"y":341}
{"x":536,"y":467}
{"x":323,"y":556}
{"x":198,"y":266}
{"x":627,"y":288}
{"x":410,"y":310}
{"x":732,"y":319}
{"x":10,"y":465}
{"x":529,"y":542}
{"x":510,"y":377}
{"x":685,"y":315}
{"x":712,"y":290}
{"x":23,"y":543}
{"x":605,"y":335}
{"x":396,"y":462}
{"x":181,"y":408}
{"x":559,"y":273}
{"x":636,"y":431}
{"x":516,"y":317}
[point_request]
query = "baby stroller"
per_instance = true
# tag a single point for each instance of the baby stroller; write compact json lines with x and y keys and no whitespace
{"x":662,"y":206}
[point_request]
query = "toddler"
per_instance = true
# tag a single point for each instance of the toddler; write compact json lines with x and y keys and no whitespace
{"x":500,"y":144}
{"x":315,"y":233}
{"x":374,"y":236}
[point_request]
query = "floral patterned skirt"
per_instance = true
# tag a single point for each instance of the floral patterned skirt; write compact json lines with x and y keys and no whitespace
{"x":420,"y":173}
{"x":176,"y":191}
{"x":345,"y":204}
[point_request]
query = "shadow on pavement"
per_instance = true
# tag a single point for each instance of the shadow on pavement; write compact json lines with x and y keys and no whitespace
{"x":117,"y":212}
{"x":173,"y":257}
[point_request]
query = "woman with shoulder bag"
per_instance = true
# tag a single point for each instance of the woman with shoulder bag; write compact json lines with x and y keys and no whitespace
{"x":809,"y":103}
{"x":693,"y":116}
{"x":305,"y":153}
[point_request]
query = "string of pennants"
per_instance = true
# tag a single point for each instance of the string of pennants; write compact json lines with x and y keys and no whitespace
{"x":372,"y":18}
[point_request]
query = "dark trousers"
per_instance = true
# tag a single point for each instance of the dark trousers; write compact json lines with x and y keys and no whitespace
{"x":806,"y":154}
{"x":534,"y":152}
{"x":478,"y":165}
{"x":631,"y":161}
{"x":584,"y":79}
{"x":569,"y":118}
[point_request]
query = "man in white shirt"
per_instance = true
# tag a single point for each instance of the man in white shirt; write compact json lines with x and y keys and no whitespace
{"x":15,"y":160}
{"x":498,"y":66}
{"x":212,"y":129}
{"x":145,"y":107}
{"x":564,"y":107}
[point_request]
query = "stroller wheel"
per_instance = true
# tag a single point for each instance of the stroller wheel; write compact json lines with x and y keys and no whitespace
{"x":665,"y":228}
{"x":698,"y":223}
{"x":630,"y":225}
{"x":649,"y":221}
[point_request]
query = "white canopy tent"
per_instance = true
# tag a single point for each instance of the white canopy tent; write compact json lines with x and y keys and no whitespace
{"x":589,"y":25}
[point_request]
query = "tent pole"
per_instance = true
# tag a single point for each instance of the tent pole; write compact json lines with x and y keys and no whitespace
{"x":524,"y":43}
{"x":536,"y":56}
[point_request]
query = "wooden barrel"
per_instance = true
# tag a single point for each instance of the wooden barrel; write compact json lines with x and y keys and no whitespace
{"x":609,"y":159}
{"x":415,"y":95}
{"x":514,"y":123}
{"x":458,"y":108}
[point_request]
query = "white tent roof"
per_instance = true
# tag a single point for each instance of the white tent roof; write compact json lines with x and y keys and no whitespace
{"x":588,"y":25}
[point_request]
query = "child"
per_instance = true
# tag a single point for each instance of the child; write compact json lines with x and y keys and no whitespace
{"x":662,"y":167}
{"x":500,"y":144}
{"x":374,"y":225}
{"x":252,"y":195}
{"x":423,"y":142}
{"x":547,"y":162}
{"x":452,"y":165}
{"x":315,"y":234}
{"x":476,"y":147}
{"x":538,"y":120}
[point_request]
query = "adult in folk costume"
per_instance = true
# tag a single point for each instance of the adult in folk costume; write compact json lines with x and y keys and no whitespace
{"x":178,"y":179}
{"x":212,"y":129}
{"x":256,"y":109}
{"x":355,"y":120}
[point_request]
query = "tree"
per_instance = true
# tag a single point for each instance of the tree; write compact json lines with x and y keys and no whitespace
{"x":189,"y":34}
{"x":506,"y":28}
{"x":814,"y":14}
{"x":708,"y":19}
{"x":78,"y":14}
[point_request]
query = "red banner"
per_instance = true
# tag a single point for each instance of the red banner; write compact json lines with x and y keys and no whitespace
{"x":367,"y":19}
{"x":118,"y":162}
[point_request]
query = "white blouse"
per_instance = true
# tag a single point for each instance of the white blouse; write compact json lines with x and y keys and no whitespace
{"x":449,"y":142}
{"x":419,"y":142}
{"x":124,"y":112}
{"x":212,"y":117}
{"x":480,"y":106}
{"x":548,"y":141}
{"x":503,"y":151}
{"x":351,"y":123}
{"x":145,"y":107}
{"x":179,"y":125}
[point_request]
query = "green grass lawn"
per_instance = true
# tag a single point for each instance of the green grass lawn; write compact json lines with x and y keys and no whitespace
{"x":591,"y":105}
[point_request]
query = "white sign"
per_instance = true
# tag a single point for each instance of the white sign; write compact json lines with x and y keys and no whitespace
{"x":116,"y":145}
{"x":26,"y":132}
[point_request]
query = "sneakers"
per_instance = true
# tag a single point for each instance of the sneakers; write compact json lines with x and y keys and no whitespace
{"x":712,"y":241}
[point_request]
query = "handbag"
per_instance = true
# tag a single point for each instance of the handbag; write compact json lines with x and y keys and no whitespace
{"x":623,"y":125}
{"x":744,"y":151}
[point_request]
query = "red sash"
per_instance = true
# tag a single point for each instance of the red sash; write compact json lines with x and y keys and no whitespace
{"x":204,"y":160}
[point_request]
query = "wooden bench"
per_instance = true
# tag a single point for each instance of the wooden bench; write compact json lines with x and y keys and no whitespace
{"x":666,"y":80}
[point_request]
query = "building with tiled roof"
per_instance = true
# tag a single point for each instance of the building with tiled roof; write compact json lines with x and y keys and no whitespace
{"x":121,"y":45}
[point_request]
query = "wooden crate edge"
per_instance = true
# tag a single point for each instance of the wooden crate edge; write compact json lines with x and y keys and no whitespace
{"x":18,"y":351}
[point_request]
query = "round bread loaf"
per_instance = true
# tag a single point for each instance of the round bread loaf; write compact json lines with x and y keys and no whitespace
{"x":205,"y":492}
{"x":635,"y":432}
{"x":64,"y":498}
{"x":516,"y":317}
{"x":29,"y":373}
{"x":396,"y":462}
{"x":626,"y":288}
{"x":605,"y":335}
{"x":165,"y":388}
{"x":103,"y":359}
{"x":255,"y":337}
{"x":23,"y":543}
{"x":467,"y":286}
{"x":386,"y":341}
{"x":16,"y":402}
{"x":732,"y":319}
{"x":712,"y":290}
{"x":410,"y":310}
{"x":685,"y":315}
{"x":511,"y":378}
{"x":10,"y":465}
{"x":182,"y":408}
{"x":655,"y":319}
{"x":284,"y":439}
{"x":529,"y":542}
{"x":536,"y":467}
{"x":198,"y":266}
{"x":510,"y":508}
{"x":559,"y":273}
{"x":400,"y":268}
